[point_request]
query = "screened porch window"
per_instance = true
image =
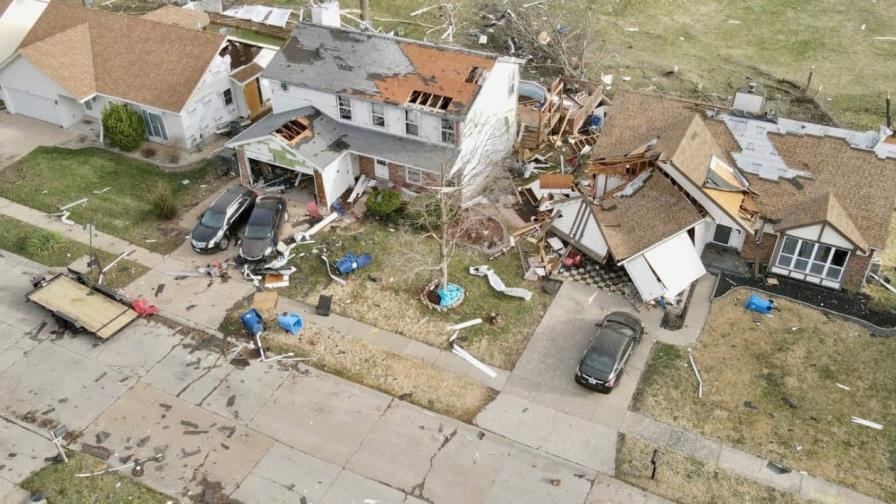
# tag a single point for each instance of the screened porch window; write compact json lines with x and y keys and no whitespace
{"x":816,"y":259}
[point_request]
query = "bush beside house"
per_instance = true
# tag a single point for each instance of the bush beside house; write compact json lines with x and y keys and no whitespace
{"x":123,"y":127}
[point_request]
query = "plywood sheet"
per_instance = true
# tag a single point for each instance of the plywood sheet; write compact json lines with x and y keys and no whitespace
{"x":89,"y":309}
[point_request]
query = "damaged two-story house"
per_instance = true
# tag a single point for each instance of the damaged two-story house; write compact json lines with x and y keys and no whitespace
{"x":807,"y":201}
{"x":404,"y":113}
{"x":186,"y":83}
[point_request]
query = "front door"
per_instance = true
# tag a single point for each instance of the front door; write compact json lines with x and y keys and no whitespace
{"x":381,"y":169}
{"x":253,"y":97}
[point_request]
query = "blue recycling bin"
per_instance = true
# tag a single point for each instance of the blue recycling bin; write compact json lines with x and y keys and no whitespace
{"x":291,"y":323}
{"x":759,"y":305}
{"x":252,"y":321}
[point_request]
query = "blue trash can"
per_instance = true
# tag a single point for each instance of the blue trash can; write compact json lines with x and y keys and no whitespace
{"x":291,"y":323}
{"x":252,"y":321}
{"x":759,"y":305}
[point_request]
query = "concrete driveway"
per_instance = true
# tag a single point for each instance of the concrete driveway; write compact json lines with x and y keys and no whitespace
{"x":266,"y":433}
{"x":19,"y":135}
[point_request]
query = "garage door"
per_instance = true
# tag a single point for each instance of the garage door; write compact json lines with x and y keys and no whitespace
{"x":32,"y":105}
{"x":668,"y":268}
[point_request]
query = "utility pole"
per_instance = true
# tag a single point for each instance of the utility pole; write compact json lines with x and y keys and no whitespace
{"x":365,"y":11}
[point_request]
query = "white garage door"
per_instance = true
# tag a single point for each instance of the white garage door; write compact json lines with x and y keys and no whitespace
{"x":31,"y":105}
{"x":676,"y":263}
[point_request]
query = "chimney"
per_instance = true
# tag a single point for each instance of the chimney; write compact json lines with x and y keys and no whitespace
{"x":750,"y":99}
{"x":326,"y":14}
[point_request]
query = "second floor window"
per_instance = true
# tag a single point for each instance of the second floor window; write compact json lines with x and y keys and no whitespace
{"x":411,"y":122}
{"x":448,"y":131}
{"x":378,"y":115}
{"x":228,"y":97}
{"x":345,"y":107}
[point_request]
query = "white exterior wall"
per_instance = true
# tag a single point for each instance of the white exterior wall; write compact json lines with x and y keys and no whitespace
{"x":338,"y":177}
{"x":205,"y":111}
{"x":294,"y":97}
{"x":718,"y":215}
{"x":24,"y":77}
{"x":488,"y":133}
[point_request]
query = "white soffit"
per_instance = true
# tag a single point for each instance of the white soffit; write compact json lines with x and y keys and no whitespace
{"x":676,"y":263}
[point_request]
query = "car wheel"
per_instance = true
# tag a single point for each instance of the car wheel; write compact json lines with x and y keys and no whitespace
{"x":224,"y":243}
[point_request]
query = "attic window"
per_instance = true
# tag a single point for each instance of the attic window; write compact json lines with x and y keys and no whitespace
{"x":429,"y":100}
{"x":474,"y":75}
{"x":294,"y":130}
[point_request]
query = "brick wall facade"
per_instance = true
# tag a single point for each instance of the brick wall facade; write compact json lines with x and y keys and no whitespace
{"x":856,"y":268}
{"x":761,"y":252}
{"x":397,"y":173}
{"x":365,"y":165}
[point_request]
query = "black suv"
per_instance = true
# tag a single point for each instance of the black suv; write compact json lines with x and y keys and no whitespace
{"x":214,"y":228}
{"x":263,"y":229}
{"x":601,"y":367}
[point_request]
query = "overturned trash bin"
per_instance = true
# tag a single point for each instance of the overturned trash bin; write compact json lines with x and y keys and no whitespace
{"x":759,"y":305}
{"x":252,"y":321}
{"x":291,"y":323}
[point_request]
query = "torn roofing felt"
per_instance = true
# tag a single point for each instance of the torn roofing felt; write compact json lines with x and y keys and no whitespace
{"x":330,"y":138}
{"x":378,"y":67}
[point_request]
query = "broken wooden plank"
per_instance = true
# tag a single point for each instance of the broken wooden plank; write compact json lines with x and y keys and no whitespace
{"x":463,"y":325}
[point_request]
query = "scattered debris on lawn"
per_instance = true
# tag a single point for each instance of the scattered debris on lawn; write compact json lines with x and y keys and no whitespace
{"x":696,"y":373}
{"x":867,"y":423}
{"x":73,"y":204}
{"x":498,"y":284}
{"x":463,"y":325}
{"x":844,"y":387}
{"x":136,"y":463}
{"x":463,"y":354}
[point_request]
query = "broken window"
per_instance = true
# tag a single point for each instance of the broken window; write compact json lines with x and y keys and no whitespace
{"x":378,"y":115}
{"x":413,"y":175}
{"x":294,"y":130}
{"x":429,"y":100}
{"x":345,"y":107}
{"x":448,"y":131}
{"x":412,"y":122}
{"x":228,"y":97}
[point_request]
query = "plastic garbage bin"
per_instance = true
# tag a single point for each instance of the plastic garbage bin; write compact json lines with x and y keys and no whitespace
{"x":253,"y":321}
{"x":759,"y":305}
{"x":291,"y":323}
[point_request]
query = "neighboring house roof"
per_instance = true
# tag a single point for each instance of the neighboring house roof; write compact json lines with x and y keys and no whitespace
{"x":135,"y":59}
{"x":331,"y":138}
{"x":845,"y":164}
{"x":379,"y":67}
{"x":654,"y":213}
{"x":823,"y":208}
{"x":178,"y":16}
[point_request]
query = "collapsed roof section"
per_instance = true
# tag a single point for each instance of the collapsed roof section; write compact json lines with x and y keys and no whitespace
{"x":382,"y":68}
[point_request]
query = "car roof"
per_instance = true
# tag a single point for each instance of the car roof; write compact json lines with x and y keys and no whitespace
{"x":608,"y":342}
{"x":268,"y":202}
{"x":228,"y":197}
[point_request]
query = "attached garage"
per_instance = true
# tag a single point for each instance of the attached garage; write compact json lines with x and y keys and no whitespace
{"x":32,"y":105}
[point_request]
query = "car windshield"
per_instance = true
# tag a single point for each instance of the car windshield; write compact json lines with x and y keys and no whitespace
{"x":599,"y":362}
{"x":212,"y":219}
{"x":619,"y":328}
{"x":258,"y":230}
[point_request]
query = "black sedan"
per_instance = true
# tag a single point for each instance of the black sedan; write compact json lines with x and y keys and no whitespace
{"x":613,"y":343}
{"x":263,"y":229}
{"x":215,"y":226}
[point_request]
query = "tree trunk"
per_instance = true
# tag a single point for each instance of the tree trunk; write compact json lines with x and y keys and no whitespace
{"x":444,"y":255}
{"x":365,"y":11}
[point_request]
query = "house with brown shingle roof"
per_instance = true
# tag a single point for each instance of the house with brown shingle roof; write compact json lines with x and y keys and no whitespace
{"x":74,"y":60}
{"x":810,"y":202}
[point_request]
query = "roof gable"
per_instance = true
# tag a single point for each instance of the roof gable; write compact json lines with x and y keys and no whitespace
{"x":66,"y":57}
{"x":135,"y":59}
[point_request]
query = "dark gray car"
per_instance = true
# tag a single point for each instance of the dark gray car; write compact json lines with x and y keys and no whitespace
{"x":214,"y":229}
{"x":263,"y":229}
{"x":602,"y":365}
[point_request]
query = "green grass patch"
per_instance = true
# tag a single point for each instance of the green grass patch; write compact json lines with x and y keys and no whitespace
{"x":386,"y":294}
{"x":60,"y":486}
{"x":15,"y":237}
{"x":50,"y":177}
{"x":770,"y":388}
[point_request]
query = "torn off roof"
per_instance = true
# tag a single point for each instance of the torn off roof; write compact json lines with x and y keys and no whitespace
{"x":379,"y":67}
